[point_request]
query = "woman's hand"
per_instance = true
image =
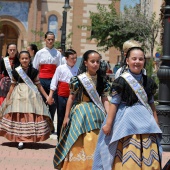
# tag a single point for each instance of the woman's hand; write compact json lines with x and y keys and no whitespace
{"x":66,"y":121}
{"x":106,"y":129}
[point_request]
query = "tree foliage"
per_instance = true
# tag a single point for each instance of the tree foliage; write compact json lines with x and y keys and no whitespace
{"x":111,"y":28}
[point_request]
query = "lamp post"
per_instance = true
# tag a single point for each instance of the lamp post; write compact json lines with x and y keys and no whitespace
{"x":63,"y":27}
{"x":163,"y":109}
{"x":1,"y":43}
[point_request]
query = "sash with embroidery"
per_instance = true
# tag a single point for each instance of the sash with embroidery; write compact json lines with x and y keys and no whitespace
{"x":26,"y":79}
{"x":8,"y":66}
{"x":91,"y":91}
{"x":138,"y":89}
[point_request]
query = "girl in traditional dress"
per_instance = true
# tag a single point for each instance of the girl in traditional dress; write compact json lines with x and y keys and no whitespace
{"x":6,"y":66}
{"x":129,"y":138}
{"x":83,"y":120}
{"x":25,"y":117}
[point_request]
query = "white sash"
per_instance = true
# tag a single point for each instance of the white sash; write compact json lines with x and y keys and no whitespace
{"x":91,"y":91}
{"x":138,"y":89}
{"x":26,"y":79}
{"x":8,"y":66}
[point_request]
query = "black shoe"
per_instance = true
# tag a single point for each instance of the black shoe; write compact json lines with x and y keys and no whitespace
{"x":20,"y":146}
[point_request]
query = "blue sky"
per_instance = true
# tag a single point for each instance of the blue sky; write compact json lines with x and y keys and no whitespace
{"x":128,"y":3}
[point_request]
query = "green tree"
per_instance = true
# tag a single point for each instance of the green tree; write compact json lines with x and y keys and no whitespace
{"x":146,"y":27}
{"x":111,"y":28}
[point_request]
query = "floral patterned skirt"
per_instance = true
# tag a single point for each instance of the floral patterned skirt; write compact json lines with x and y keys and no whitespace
{"x":81,"y":153}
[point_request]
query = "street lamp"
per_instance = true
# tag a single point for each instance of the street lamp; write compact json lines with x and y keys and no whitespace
{"x":63,"y":27}
{"x":1,"y":43}
{"x":163,"y":109}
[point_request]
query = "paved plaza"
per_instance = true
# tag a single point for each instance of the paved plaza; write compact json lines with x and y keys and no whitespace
{"x":35,"y":156}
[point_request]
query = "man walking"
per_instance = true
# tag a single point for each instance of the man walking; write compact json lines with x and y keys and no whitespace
{"x":46,"y":61}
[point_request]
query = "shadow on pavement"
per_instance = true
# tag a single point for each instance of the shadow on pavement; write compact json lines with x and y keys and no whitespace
{"x":30,"y":145}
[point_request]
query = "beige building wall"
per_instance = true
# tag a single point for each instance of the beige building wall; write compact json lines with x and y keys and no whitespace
{"x":156,"y":8}
{"x":38,"y":19}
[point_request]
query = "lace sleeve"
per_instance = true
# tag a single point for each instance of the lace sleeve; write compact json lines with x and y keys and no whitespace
{"x":117,"y":86}
{"x":74,"y":85}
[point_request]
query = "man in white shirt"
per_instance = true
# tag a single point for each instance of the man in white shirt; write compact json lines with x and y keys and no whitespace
{"x":46,"y":61}
{"x":60,"y":81}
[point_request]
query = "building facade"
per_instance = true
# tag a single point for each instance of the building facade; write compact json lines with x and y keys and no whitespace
{"x":20,"y":18}
{"x":149,"y":7}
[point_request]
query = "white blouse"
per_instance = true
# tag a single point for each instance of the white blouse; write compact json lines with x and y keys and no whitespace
{"x":47,"y":56}
{"x":63,"y":73}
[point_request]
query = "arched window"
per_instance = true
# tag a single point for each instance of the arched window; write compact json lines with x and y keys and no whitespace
{"x":53,"y":24}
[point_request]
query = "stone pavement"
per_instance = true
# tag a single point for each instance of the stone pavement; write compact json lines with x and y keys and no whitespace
{"x":35,"y":156}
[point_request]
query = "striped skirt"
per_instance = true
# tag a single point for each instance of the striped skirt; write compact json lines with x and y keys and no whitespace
{"x":79,"y":138}
{"x":138,"y":152}
{"x":25,"y":117}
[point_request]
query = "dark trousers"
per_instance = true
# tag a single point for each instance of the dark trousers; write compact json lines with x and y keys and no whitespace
{"x":46,"y":85}
{"x":61,"y":108}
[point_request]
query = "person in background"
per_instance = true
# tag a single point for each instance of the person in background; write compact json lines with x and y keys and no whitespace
{"x":60,"y":49}
{"x":109,"y":71}
{"x":63,"y":60}
{"x":46,"y":61}
{"x":116,"y":67}
{"x":126,"y":45}
{"x":24,"y":116}
{"x":83,"y":119}
{"x":60,"y":81}
{"x":7,"y":64}
{"x":103,"y":66}
{"x":108,"y":65}
{"x":32,"y":49}
{"x":130,"y":135}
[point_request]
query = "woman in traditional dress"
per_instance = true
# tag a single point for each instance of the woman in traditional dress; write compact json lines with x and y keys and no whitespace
{"x":6,"y":66}
{"x":83,"y":120}
{"x":24,"y":115}
{"x":130,"y":135}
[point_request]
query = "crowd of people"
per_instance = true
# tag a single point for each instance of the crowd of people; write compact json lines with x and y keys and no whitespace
{"x":93,"y":132}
